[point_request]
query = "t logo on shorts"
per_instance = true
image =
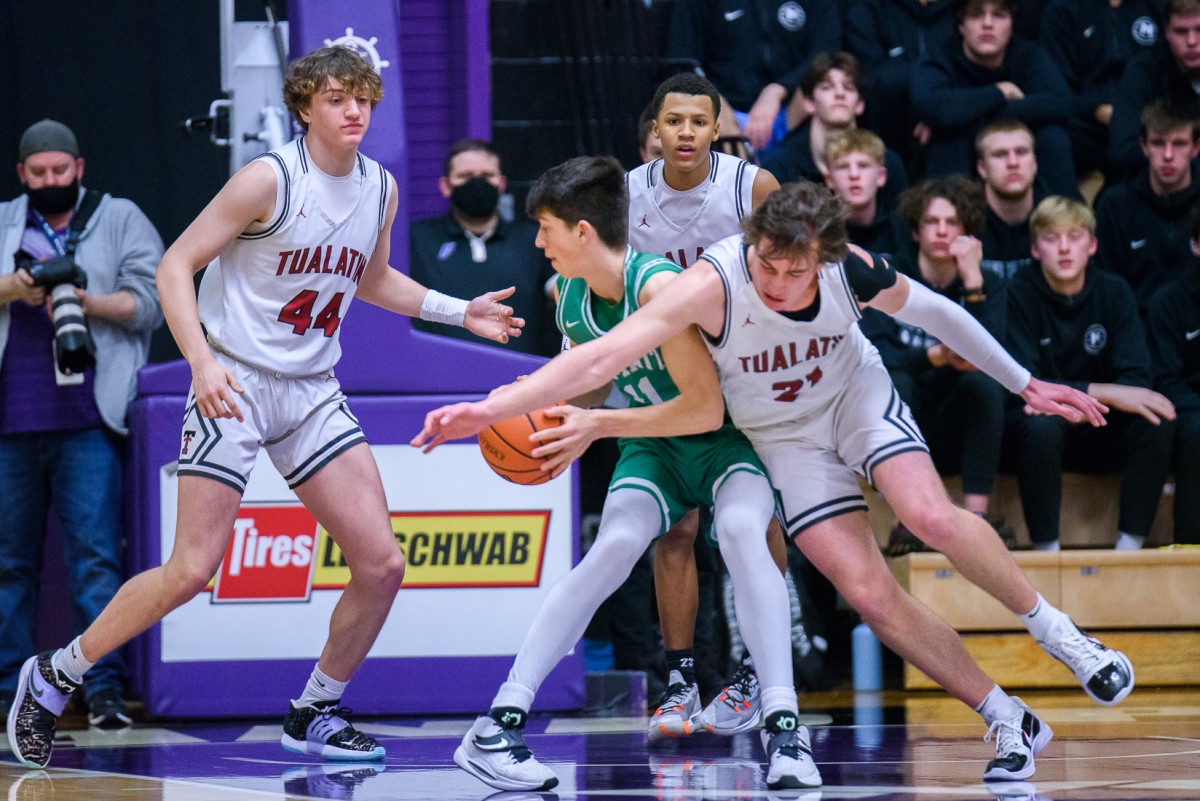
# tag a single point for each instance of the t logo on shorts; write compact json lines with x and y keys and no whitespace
{"x":188,"y":436}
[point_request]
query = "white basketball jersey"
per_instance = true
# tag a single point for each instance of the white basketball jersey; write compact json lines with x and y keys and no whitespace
{"x":778,"y":373}
{"x":276,"y":297}
{"x":728,"y":197}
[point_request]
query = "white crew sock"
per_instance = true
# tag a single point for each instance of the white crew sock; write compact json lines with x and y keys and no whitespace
{"x":997,"y":705}
{"x":321,"y":688}
{"x":1042,"y":619}
{"x":70,"y":662}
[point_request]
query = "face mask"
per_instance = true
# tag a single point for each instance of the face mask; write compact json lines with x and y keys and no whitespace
{"x":51,"y":200}
{"x":475,"y":199}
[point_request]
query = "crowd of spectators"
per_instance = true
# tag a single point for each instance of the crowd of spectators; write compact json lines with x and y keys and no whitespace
{"x":1050,"y":149}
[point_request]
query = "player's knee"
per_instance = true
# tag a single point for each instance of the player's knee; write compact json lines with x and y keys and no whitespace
{"x":393,"y":570}
{"x":874,"y":596}
{"x":184,"y":581}
{"x":935,"y":522}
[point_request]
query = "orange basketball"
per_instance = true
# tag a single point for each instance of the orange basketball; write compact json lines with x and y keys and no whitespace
{"x":506,"y":447}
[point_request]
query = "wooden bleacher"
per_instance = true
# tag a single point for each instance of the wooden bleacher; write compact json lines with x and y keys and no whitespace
{"x":1145,"y":603}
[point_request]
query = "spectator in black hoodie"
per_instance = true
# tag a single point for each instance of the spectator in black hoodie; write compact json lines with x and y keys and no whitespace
{"x":1173,"y":329}
{"x":856,"y":173}
{"x":1171,"y":71}
{"x":985,"y":75}
{"x":1080,"y":326}
{"x":889,"y":37}
{"x":833,"y":103}
{"x":1007,"y":163}
{"x":1091,"y":41}
{"x":1143,"y":223}
{"x":959,"y":409}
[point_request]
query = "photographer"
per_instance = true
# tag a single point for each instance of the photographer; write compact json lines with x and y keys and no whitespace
{"x":62,"y":420}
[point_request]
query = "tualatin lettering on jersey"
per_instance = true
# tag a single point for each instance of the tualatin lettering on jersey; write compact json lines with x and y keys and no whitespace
{"x":349,"y":262}
{"x":781,"y":357}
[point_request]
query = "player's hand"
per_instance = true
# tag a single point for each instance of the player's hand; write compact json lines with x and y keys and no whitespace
{"x":1043,"y":397}
{"x":565,"y":443}
{"x":214,"y":386}
{"x":1136,"y":400}
{"x":491,"y":319}
{"x":450,"y":422}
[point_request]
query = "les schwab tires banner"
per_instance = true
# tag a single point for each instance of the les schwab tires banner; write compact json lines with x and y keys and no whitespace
{"x":481,"y":555}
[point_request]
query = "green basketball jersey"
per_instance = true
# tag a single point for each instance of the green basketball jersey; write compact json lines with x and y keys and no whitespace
{"x":583,"y":316}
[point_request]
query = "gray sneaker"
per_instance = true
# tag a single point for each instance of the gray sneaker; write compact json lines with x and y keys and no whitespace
{"x":676,"y":716}
{"x":737,"y":708}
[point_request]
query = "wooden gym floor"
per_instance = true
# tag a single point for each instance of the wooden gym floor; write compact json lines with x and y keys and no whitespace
{"x":893,"y":745}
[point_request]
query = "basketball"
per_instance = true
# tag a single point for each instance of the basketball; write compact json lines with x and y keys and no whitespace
{"x":506,"y":447}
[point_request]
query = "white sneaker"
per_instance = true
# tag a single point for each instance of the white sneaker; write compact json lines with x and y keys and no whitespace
{"x":499,"y":757}
{"x":790,"y":762}
{"x":677,"y":715}
{"x":1106,"y":675}
{"x":737,"y":708}
{"x":1018,"y":741}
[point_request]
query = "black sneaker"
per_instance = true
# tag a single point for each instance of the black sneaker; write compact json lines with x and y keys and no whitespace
{"x":42,"y":694}
{"x":107,"y":710}
{"x":902,"y":541}
{"x":319,"y":729}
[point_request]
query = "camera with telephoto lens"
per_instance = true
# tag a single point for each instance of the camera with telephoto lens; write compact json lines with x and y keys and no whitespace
{"x":74,"y":349}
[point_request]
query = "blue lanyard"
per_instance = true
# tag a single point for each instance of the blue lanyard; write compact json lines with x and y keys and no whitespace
{"x":53,"y":237}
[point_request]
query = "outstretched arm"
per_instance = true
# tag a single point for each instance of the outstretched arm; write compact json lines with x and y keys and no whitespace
{"x":952,"y":324}
{"x":698,"y":407}
{"x":578,"y":370}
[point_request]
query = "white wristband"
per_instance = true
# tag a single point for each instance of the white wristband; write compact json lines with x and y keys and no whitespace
{"x":439,"y":308}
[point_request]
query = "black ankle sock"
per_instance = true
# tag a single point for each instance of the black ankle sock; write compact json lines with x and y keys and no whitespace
{"x":509,"y":717}
{"x":781,"y":721}
{"x":683,"y":661}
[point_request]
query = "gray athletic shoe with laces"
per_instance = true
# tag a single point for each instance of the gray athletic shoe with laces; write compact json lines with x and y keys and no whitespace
{"x":737,"y":708}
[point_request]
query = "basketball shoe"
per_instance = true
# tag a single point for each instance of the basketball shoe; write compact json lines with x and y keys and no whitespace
{"x":789,"y":755}
{"x":737,"y":708}
{"x":1018,"y":740}
{"x":498,"y":756}
{"x":676,"y":716}
{"x":319,"y":729}
{"x":1106,"y":675}
{"x":42,"y":694}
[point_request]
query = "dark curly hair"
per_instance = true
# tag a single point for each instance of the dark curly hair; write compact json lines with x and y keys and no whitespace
{"x":799,"y":219}
{"x":965,"y":195}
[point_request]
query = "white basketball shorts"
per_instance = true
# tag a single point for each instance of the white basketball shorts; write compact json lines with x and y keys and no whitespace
{"x":302,"y":422}
{"x":813,"y":467}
